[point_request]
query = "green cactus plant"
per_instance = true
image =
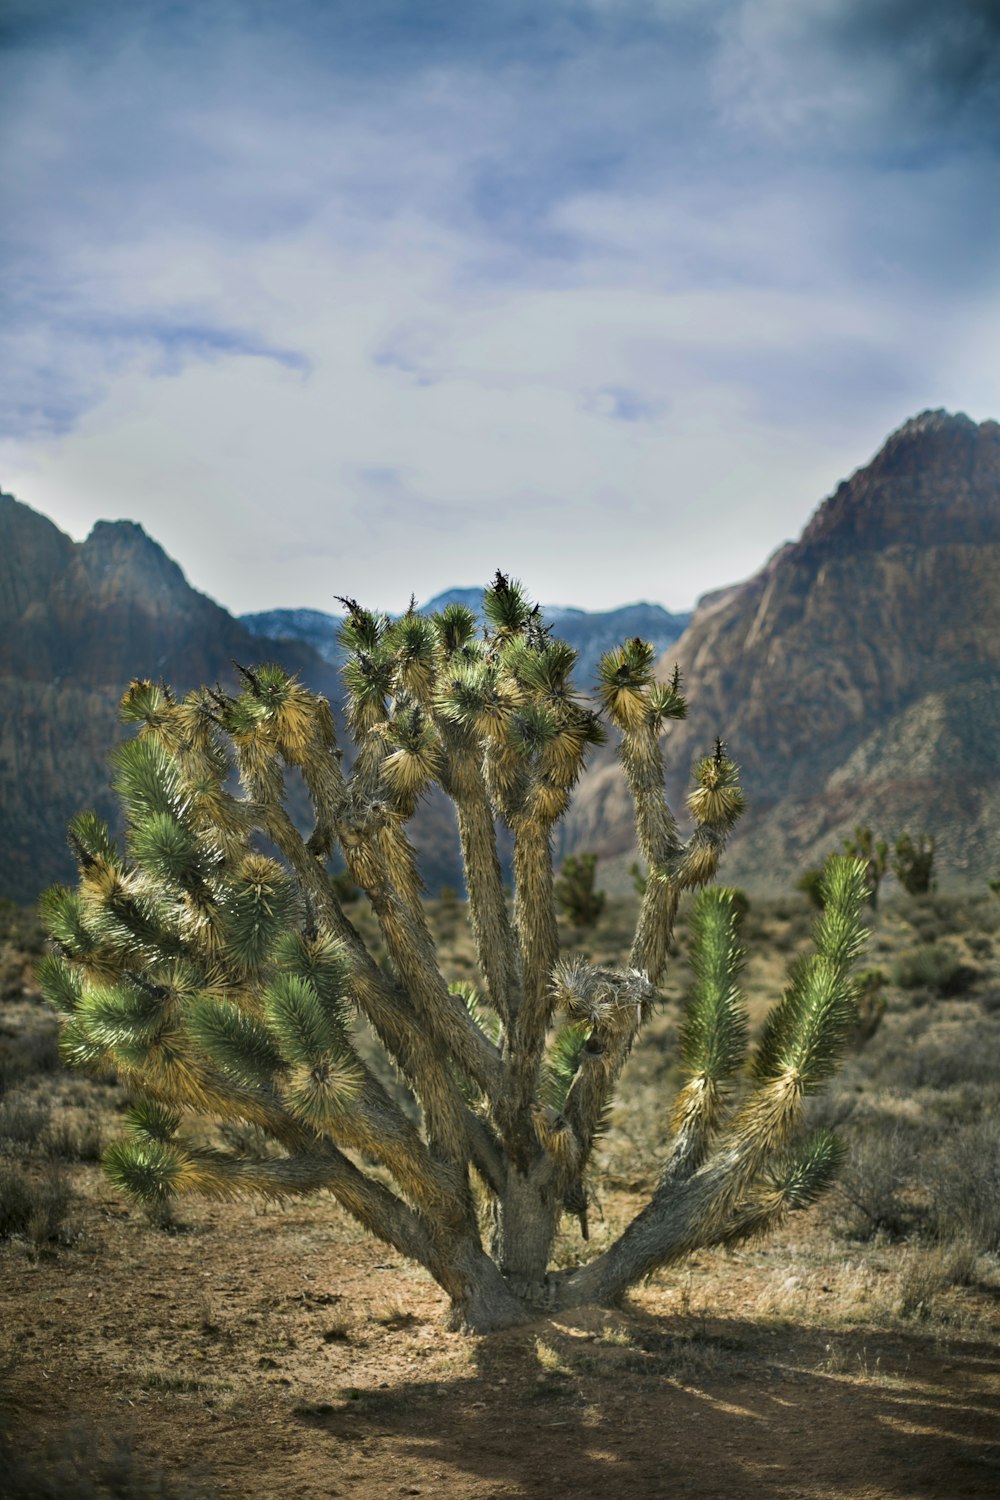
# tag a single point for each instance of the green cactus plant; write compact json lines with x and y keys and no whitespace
{"x":212,"y":963}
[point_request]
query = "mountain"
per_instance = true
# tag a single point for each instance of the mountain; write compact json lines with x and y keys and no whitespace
{"x":77,"y":622}
{"x":590,"y":632}
{"x":855,"y":677}
{"x":311,"y":626}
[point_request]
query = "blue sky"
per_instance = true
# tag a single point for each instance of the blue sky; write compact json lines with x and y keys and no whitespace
{"x":377,"y":297}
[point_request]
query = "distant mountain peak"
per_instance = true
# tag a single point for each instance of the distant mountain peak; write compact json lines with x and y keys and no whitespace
{"x":933,"y":419}
{"x":934,"y":480}
{"x":854,"y":675}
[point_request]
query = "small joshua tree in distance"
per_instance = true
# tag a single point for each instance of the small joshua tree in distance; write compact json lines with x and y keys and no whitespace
{"x":574,"y":890}
{"x":212,"y":963}
{"x":913,"y":863}
{"x":812,"y":884}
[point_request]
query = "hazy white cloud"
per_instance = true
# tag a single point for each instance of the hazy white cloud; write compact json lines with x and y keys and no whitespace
{"x":372,"y":300}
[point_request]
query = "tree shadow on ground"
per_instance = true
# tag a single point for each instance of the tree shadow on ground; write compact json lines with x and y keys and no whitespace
{"x":663,"y":1407}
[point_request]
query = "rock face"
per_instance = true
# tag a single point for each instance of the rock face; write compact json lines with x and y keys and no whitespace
{"x":77,"y":622}
{"x":855,"y":677}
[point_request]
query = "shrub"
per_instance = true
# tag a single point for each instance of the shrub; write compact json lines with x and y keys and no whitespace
{"x":64,"y":1141}
{"x":877,"y":1190}
{"x":75,"y":1466}
{"x":22,"y":1120}
{"x":933,"y":966}
{"x":33,"y":1207}
{"x":966,"y":1166}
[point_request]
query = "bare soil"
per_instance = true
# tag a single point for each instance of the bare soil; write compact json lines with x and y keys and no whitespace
{"x":278,"y":1352}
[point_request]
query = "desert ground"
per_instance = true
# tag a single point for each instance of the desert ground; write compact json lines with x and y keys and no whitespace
{"x":280,"y":1352}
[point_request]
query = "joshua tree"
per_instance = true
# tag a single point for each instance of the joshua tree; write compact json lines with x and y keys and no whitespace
{"x":812,"y":884}
{"x":913,"y":863}
{"x":875,"y":853}
{"x":574,"y":890}
{"x":212,"y":963}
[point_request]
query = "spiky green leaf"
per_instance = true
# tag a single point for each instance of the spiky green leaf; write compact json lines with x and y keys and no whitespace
{"x":244,"y":715}
{"x":260,"y":906}
{"x":90,"y":839}
{"x":665,"y":702}
{"x":714,"y":1034}
{"x":807,"y":1171}
{"x":236,"y":1042}
{"x":806,"y":1030}
{"x":531,"y":729}
{"x":144,"y":1168}
{"x":146,"y":778}
{"x":840,"y":935}
{"x":152,"y":1120}
{"x":563,"y":1062}
{"x":456,"y":627}
{"x":121,"y":1018}
{"x":61,"y":911}
{"x":505,"y":605}
{"x":412,"y":639}
{"x":59,"y":982}
{"x":717,"y":800}
{"x":368,"y":679}
{"x":169,"y":850}
{"x":323,"y":962}
{"x":486,"y":1019}
{"x":78,"y":1049}
{"x":363,"y":629}
{"x":135,"y":922}
{"x":320,"y":1092}
{"x":304,"y":1027}
{"x":144,"y":702}
{"x":623,"y":679}
{"x":629,"y":665}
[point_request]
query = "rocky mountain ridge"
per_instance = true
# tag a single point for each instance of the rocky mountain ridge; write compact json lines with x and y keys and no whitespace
{"x":855,"y":676}
{"x":77,"y":622}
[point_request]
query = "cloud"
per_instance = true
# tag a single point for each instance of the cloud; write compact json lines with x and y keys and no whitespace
{"x":325,"y":294}
{"x":624,"y":405}
{"x":897,"y":76}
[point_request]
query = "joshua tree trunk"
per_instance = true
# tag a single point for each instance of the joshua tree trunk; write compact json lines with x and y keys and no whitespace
{"x":224,"y":980}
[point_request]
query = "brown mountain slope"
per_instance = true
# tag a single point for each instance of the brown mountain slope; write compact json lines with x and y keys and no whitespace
{"x":77,"y":622}
{"x":855,"y":677}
